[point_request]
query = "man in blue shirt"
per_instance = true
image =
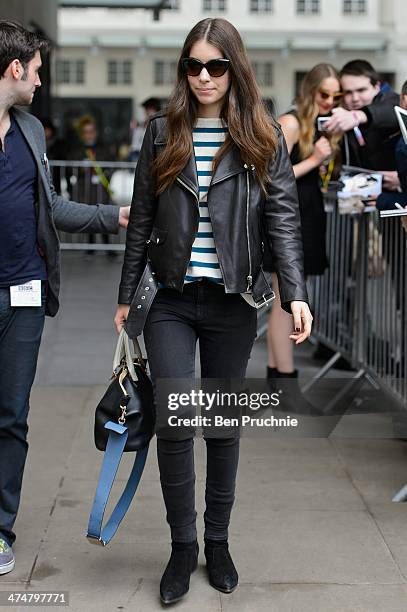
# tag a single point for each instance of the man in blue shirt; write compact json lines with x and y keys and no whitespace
{"x":30,"y":212}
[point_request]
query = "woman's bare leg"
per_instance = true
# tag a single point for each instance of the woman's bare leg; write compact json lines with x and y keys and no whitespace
{"x":280,"y":348}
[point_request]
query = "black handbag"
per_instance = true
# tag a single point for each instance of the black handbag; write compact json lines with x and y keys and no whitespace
{"x":124,"y":421}
{"x":128,"y":400}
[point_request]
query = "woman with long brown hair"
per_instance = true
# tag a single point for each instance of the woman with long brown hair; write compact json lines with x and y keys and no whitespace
{"x":213,"y":182}
{"x":309,"y":149}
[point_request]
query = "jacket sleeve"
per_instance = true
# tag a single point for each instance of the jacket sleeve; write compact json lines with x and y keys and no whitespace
{"x":78,"y":218}
{"x":142,"y":212}
{"x":71,"y":216}
{"x":283,"y":230}
{"x":381,"y":113}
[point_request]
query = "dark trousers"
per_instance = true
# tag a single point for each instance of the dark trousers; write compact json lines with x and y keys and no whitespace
{"x":20,"y":337}
{"x":225,"y":326}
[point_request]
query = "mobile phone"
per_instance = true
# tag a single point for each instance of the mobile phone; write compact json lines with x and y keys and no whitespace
{"x":321,"y":121}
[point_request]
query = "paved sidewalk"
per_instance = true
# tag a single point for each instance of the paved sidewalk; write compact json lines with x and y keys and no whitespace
{"x":313,"y":528}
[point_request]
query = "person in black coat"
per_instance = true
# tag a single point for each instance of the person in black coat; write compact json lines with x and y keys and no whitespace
{"x":369,"y":122}
{"x":213,"y":183}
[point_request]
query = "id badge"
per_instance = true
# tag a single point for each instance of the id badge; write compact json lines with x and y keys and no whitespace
{"x":28,"y":294}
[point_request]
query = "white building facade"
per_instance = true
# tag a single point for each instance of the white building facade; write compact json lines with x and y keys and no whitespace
{"x":123,"y":53}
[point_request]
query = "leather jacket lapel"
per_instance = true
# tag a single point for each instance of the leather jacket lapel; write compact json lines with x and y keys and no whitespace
{"x":230,"y":164}
{"x":189,"y":174}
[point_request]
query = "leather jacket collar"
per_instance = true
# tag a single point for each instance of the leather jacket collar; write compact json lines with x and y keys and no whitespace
{"x":230,"y":164}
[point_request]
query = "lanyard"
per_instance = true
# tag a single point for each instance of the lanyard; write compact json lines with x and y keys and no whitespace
{"x":326,"y":176}
{"x":91,"y":156}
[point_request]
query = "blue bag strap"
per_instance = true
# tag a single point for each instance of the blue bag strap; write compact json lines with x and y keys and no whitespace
{"x":114,"y":450}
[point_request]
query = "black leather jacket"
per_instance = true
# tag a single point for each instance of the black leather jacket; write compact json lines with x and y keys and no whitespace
{"x":163,"y":227}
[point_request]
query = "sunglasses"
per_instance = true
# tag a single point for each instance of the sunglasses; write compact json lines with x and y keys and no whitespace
{"x":215,"y":67}
{"x":326,"y":95}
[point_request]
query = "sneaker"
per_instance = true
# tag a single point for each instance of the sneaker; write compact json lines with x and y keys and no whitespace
{"x":6,"y":557}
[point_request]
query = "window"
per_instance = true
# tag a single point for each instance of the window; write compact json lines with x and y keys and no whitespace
{"x":261,"y":6}
{"x":264,"y":73}
{"x":351,"y":7}
{"x":70,"y":71}
{"x":173,"y":5}
{"x":119,"y":72}
{"x":307,"y":7}
{"x":298,"y":78}
{"x":214,"y":5}
{"x":388,"y":77}
{"x":165,"y":72}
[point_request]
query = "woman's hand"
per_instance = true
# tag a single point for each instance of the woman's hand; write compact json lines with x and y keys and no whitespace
{"x":121,"y":315}
{"x":322,"y":150}
{"x":302,"y":321}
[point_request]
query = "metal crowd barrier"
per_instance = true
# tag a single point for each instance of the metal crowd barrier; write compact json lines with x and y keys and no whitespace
{"x":359,"y":307}
{"x":94,"y":183}
{"x":359,"y":303}
{"x":333,"y":294}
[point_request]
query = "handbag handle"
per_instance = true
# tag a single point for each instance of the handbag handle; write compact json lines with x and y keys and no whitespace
{"x":123,"y":349}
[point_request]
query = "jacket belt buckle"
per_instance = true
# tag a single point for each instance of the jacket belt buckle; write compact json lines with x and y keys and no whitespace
{"x":265,"y":299}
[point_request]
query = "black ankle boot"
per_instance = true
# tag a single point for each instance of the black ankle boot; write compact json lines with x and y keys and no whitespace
{"x":221,"y":570}
{"x":175,"y":580}
{"x":292,"y":400}
{"x":272,"y":375}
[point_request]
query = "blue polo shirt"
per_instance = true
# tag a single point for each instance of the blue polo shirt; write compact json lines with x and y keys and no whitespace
{"x":20,"y":260}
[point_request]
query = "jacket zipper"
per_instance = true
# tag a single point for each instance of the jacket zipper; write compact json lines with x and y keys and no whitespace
{"x":197,"y":201}
{"x":219,"y":180}
{"x":249,"y":277}
{"x":217,"y":254}
{"x":188,"y":188}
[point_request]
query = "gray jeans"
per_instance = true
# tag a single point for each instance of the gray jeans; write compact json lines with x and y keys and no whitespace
{"x":225,"y":326}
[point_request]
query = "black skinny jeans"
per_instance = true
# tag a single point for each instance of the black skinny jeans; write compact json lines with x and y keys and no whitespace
{"x":226,"y":328}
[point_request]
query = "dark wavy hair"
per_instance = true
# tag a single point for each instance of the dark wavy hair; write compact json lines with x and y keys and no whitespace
{"x":18,"y":43}
{"x":250,"y":127}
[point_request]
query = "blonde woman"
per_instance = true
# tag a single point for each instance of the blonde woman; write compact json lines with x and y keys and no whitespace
{"x":309,"y":149}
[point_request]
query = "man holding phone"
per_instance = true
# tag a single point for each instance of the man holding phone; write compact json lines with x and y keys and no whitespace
{"x":369,"y":122}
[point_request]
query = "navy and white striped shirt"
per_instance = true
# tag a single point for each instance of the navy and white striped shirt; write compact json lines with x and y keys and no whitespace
{"x":208,"y":136}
